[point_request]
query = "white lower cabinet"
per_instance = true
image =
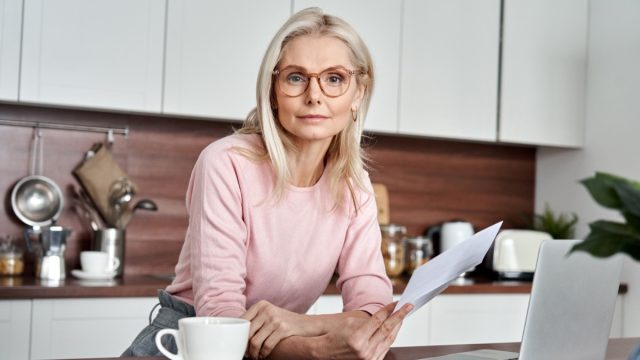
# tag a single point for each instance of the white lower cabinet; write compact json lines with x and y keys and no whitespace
{"x":82,"y":328}
{"x":482,"y":318}
{"x":463,"y":319}
{"x":105,"y":327}
{"x":15,"y":318}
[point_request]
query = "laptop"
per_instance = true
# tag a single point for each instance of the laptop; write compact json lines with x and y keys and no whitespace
{"x":570,"y":310}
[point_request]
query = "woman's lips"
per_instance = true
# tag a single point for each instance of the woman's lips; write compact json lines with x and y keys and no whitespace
{"x":313,"y":117}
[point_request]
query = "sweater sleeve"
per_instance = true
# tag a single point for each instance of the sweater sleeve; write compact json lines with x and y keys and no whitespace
{"x":217,"y":235}
{"x":362,"y":280}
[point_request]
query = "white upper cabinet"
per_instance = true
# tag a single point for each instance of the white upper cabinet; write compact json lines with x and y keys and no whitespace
{"x":10,"y":28}
{"x":449,"y":76}
{"x":544,"y":72}
{"x":98,"y":54}
{"x":214,"y":50}
{"x":379,"y":24}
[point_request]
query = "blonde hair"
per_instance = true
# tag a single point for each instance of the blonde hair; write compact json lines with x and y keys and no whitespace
{"x":345,"y":155}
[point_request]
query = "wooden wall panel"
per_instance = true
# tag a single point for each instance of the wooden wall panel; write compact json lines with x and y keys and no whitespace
{"x":429,"y":181}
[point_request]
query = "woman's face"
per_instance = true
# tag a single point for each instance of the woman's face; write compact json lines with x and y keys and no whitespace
{"x":314,"y":117}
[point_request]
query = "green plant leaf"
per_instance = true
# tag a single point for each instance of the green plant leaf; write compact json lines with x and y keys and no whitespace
{"x":611,"y":177}
{"x":632,"y":220}
{"x":608,"y":238}
{"x":601,"y":190}
{"x":629,"y":196}
{"x":559,"y":226}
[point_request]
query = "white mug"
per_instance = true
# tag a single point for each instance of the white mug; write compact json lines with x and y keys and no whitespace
{"x":97,"y":262}
{"x":206,"y":338}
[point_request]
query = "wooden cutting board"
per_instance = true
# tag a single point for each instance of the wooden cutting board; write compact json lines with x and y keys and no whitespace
{"x":382,"y":200}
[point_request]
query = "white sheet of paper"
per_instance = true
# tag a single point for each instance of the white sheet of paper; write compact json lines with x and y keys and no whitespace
{"x":435,"y":276}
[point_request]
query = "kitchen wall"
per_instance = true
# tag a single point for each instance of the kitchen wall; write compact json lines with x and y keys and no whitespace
{"x":429,"y":181}
{"x":612,"y":130}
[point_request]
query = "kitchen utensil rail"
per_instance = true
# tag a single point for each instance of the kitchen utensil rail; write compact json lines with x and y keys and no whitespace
{"x":124,"y":131}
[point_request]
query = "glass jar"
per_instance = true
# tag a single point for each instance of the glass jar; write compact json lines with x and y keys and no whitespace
{"x":419,"y":251}
{"x":11,"y":260}
{"x":393,"y":248}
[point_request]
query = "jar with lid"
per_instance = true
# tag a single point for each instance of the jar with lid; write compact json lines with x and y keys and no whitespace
{"x":11,"y":260}
{"x":393,"y":248}
{"x":419,"y":251}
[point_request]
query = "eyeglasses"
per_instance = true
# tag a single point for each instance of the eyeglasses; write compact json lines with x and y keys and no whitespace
{"x":334,"y":82}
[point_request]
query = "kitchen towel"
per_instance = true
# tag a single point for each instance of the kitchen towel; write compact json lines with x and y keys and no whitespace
{"x":97,"y":174}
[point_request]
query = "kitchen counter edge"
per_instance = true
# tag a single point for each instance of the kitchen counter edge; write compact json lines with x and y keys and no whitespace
{"x":12,"y":288}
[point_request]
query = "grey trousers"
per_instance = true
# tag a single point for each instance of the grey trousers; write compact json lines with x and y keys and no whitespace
{"x":171,"y":310}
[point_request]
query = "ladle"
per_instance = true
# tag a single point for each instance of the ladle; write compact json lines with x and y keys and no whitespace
{"x":144,"y":204}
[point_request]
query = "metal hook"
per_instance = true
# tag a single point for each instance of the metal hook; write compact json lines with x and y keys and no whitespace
{"x":109,"y":138}
{"x":40,"y":151}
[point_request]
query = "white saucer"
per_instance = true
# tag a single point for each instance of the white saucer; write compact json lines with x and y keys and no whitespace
{"x":93,"y":276}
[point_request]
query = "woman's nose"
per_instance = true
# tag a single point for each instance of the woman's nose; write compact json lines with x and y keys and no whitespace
{"x":314,"y":91}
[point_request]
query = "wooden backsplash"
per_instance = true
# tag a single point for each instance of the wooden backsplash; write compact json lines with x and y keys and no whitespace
{"x":429,"y":181}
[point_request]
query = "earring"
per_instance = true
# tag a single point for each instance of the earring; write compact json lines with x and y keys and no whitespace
{"x":354,"y":115}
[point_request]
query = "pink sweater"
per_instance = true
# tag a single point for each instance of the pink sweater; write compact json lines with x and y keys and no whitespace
{"x":240,"y":249}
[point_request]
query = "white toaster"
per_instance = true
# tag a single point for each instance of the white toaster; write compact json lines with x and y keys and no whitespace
{"x":515,"y":253}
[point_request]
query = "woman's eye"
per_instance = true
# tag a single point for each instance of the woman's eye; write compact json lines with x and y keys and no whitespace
{"x":296,"y":78}
{"x":334,"y":79}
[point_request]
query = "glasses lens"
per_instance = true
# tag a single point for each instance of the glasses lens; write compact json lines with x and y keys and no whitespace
{"x":293,"y":82}
{"x":335,"y":82}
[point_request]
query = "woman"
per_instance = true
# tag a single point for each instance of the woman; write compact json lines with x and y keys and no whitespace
{"x":279,"y":206}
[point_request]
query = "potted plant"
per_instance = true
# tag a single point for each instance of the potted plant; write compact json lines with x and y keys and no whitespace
{"x":558,"y":225}
{"x":607,"y":237}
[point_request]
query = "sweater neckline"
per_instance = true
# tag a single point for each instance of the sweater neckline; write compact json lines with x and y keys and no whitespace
{"x":325,"y":172}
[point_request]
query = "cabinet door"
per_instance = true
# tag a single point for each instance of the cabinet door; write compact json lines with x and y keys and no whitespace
{"x":15,"y":317}
{"x":328,"y":304}
{"x":86,"y":328}
{"x":214,"y":50}
{"x":449,"y":74}
{"x":99,"y":54}
{"x":379,"y":26}
{"x":10,"y":33}
{"x":544,"y":58}
{"x":473,"y":319}
{"x":618,"y":319}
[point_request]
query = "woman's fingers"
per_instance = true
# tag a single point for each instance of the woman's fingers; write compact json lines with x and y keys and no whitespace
{"x":376,"y":320}
{"x":270,"y":343}
{"x":256,"y":325}
{"x":256,"y":316}
{"x":386,"y":333}
{"x":257,"y":340}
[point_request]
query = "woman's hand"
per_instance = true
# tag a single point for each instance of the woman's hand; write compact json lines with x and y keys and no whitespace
{"x":363,"y":338}
{"x":270,"y":324}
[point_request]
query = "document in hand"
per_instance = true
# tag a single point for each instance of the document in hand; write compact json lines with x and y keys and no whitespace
{"x":435,"y":276}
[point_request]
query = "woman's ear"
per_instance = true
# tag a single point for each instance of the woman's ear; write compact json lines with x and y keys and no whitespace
{"x":357,"y":99}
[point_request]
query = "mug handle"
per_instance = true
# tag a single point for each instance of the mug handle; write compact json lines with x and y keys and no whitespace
{"x":116,"y":263}
{"x":163,"y":350}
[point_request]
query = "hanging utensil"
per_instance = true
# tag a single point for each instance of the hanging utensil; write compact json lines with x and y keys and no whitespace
{"x":144,"y":204}
{"x":84,"y":209}
{"x":35,"y":199}
{"x":120,"y":194}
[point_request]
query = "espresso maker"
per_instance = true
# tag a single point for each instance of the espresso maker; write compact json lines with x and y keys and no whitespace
{"x":49,"y":250}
